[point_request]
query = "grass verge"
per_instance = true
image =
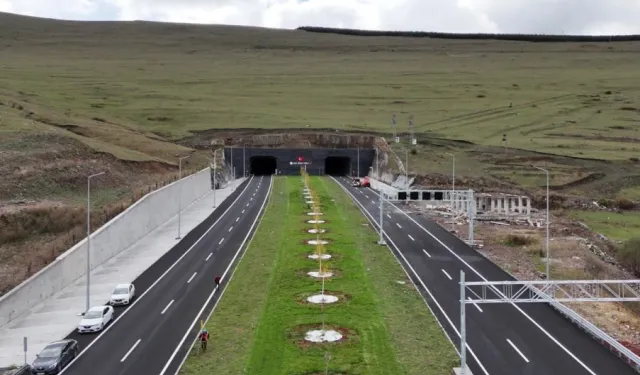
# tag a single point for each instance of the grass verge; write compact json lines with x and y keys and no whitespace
{"x":261,"y":319}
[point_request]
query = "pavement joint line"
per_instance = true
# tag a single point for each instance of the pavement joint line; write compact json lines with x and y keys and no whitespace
{"x":220,"y":243}
{"x":167,"y":307}
{"x":209,"y":256}
{"x":412,"y":239}
{"x":517,"y":350}
{"x":175,"y":352}
{"x":130,"y":350}
{"x":158,"y":279}
{"x":564,"y":348}
{"x":475,"y":304}
{"x":192,"y":276}
{"x":445,"y":272}
{"x":424,"y":286}
{"x":425,"y":251}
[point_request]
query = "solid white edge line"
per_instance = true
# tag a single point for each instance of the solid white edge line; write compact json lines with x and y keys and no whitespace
{"x":167,"y":307}
{"x":497,"y":291}
{"x":220,"y":243}
{"x":517,"y":350}
{"x":184,"y":338}
{"x":192,"y":276}
{"x":425,"y":251}
{"x":158,"y":280}
{"x":445,"y":272}
{"x":455,"y":329}
{"x":412,"y":239}
{"x":475,"y":304}
{"x":130,"y":350}
{"x":208,"y":256}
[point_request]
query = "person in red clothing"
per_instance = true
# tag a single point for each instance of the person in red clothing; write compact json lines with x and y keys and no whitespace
{"x":217,"y":279}
{"x":204,"y":339}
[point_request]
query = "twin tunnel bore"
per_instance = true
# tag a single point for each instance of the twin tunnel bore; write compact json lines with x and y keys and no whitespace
{"x":333,"y":165}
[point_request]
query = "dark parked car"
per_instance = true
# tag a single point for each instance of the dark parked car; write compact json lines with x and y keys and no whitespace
{"x":54,"y":357}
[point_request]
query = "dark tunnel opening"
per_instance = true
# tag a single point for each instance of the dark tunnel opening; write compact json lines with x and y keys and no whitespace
{"x":263,"y":165}
{"x":337,"y":165}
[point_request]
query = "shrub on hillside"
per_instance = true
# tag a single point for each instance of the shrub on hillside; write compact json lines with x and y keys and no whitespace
{"x":625,"y":204}
{"x":515,"y":240}
{"x":629,"y":255}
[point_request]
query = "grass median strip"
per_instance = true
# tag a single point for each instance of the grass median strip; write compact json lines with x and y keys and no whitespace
{"x":260,"y":324}
{"x":233,"y":323}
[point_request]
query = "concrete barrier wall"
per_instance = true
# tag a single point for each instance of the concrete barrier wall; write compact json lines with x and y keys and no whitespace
{"x":147,"y":214}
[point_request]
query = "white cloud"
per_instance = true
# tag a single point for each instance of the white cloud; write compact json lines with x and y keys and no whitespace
{"x":526,"y":16}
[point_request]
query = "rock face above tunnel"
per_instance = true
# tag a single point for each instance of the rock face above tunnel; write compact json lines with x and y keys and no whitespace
{"x":288,"y":161}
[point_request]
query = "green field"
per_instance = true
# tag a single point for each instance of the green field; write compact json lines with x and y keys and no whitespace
{"x":150,"y":80}
{"x":262,"y":317}
{"x":616,"y":226}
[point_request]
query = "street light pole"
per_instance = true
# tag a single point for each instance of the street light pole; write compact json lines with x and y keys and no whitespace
{"x":89,"y":237}
{"x":180,"y":193}
{"x":381,"y":240}
{"x":214,"y":182}
{"x":453,"y":186}
{"x":244,"y":160}
{"x":358,"y":174}
{"x":547,"y":242}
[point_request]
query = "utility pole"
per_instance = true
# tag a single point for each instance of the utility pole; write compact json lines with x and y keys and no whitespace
{"x":180,"y":193}
{"x":89,"y":237}
{"x":406,"y":167}
{"x":394,"y":127}
{"x":244,"y":160}
{"x":547,"y":242}
{"x":412,"y":137}
{"x":453,"y":188}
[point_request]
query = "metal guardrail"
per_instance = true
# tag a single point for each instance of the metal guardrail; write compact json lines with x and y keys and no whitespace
{"x":24,"y":370}
{"x":596,"y":333}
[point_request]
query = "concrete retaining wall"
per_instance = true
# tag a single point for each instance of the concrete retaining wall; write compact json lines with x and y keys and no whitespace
{"x":118,"y":234}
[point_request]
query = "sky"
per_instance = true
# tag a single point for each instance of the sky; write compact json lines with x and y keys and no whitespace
{"x":490,"y":16}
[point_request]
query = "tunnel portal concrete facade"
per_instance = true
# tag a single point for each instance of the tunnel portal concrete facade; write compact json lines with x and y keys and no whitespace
{"x":290,"y":160}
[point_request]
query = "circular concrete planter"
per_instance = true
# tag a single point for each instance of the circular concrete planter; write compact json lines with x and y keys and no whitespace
{"x":316,"y":231}
{"x":319,"y":336}
{"x":320,"y":275}
{"x":316,"y":256}
{"x":316,"y":242}
{"x":322,"y":298}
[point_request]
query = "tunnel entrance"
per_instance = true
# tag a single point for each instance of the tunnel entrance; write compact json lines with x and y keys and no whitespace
{"x":263,"y":165}
{"x":337,"y":165}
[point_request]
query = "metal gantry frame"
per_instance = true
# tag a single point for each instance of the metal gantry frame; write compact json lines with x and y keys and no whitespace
{"x":544,"y":291}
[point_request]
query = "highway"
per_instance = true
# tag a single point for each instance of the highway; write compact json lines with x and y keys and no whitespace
{"x":502,"y":339}
{"x":153,"y":334}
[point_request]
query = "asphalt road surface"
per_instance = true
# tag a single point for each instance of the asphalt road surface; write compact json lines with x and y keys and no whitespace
{"x":153,"y":334}
{"x":502,"y":339}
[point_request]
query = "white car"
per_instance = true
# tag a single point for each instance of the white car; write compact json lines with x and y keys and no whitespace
{"x":95,"y":319}
{"x":123,"y":294}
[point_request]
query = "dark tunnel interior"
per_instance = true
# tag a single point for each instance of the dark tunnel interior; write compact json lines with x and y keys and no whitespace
{"x":263,"y":165}
{"x":337,"y":165}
